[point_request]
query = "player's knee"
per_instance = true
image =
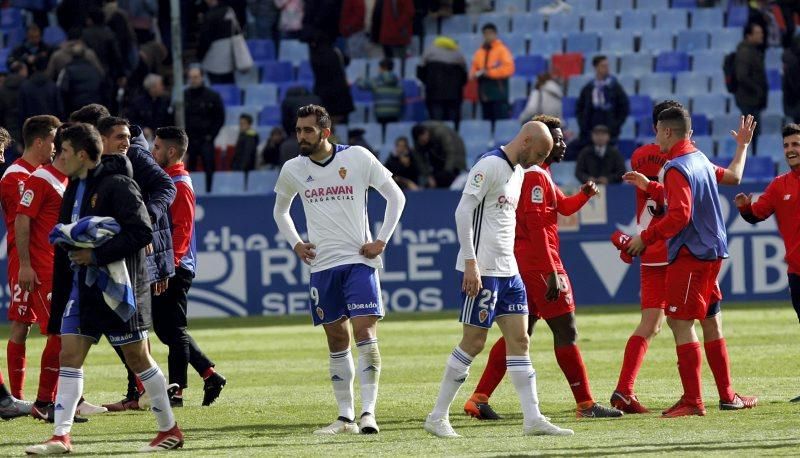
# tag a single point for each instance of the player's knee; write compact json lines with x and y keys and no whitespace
{"x":473,"y":345}
{"x":518,"y":344}
{"x":567,"y":335}
{"x":69,"y":358}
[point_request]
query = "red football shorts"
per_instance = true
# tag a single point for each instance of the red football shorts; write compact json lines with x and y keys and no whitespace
{"x":692,"y":287}
{"x":30,"y":307}
{"x":654,"y":287}
{"x":536,"y":287}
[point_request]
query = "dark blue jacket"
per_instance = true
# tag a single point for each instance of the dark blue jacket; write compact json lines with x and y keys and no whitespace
{"x":158,"y":192}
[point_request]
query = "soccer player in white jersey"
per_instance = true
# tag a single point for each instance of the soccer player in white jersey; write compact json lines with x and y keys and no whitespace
{"x":333,"y":181}
{"x":492,"y":289}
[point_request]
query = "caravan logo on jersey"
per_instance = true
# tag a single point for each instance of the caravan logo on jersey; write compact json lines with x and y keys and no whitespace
{"x":329,"y":193}
{"x":505,"y":202}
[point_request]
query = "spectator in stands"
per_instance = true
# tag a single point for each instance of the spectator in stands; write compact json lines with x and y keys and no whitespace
{"x":601,"y":102}
{"x":81,"y":82}
{"x":403,"y":166}
{"x":493,"y":65}
{"x":320,"y":22}
{"x":440,"y":153}
{"x":9,"y":102}
{"x":271,"y":154}
{"x":140,"y":15}
{"x":330,"y":82}
{"x":100,"y":39}
{"x":392,"y":26}
{"x":265,"y":24}
{"x":387,"y":92}
{"x":32,"y":48}
{"x":39,"y":95}
{"x":64,"y":54}
{"x":153,"y":108}
{"x":600,"y":162}
{"x":120,"y":24}
{"x":355,"y":137}
{"x":151,"y":60}
{"x":751,"y":75}
{"x":544,"y":99}
{"x":214,"y":45}
{"x":791,"y":82}
{"x":296,"y":97}
{"x":244,"y":155}
{"x":443,"y":71}
{"x":291,"y":17}
{"x":205,"y":116}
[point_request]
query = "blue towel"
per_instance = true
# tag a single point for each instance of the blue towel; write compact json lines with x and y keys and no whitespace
{"x":112,"y":279}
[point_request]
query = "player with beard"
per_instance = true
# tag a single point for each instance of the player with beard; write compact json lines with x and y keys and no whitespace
{"x":333,"y":181}
{"x":536,"y":248}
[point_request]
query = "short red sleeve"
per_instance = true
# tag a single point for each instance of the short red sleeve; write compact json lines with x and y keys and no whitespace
{"x":33,"y":196}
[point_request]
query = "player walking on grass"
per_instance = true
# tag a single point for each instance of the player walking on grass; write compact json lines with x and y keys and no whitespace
{"x":694,"y":231}
{"x":782,"y":199}
{"x":492,"y":289}
{"x":536,"y":248}
{"x":333,"y":182}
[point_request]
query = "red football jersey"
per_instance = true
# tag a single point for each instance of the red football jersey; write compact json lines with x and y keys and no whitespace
{"x":11,"y":186}
{"x":41,"y":201}
{"x":536,"y":241}
{"x":649,"y":161}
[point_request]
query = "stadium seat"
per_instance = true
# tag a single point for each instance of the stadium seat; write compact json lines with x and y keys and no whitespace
{"x":516,"y":43}
{"x":356,"y":69}
{"x":726,"y":145}
{"x":718,"y":83}
{"x":723,"y":124}
{"x":415,"y":111}
{"x":227,"y":183}
{"x":527,"y":24}
{"x":501,"y":20}
{"x":285,"y":86}
{"x":232,"y":113}
{"x":644,"y":126}
{"x":261,"y":50}
{"x":576,"y":83}
{"x":54,"y":35}
{"x":636,"y":64}
{"x":373,"y":132}
{"x":672,"y":19}
{"x":262,"y":181}
{"x":277,"y":72}
{"x":514,"y":7}
{"x":564,"y":174}
{"x":774,"y":102}
{"x":198,"y":183}
{"x":628,"y":128}
{"x":467,"y":42}
{"x":599,"y":22}
{"x":583,"y":42}
{"x":564,"y":22}
{"x":546,"y":44}
{"x":412,"y":89}
{"x":250,"y":77}
{"x":657,"y":85}
{"x":773,"y":57}
{"x":704,"y":143}
{"x":270,"y":115}
{"x":758,"y":168}
{"x":771,"y":123}
{"x":708,"y":61}
{"x":707,"y":19}
{"x":567,"y":64}
{"x":261,"y":94}
{"x":230,"y":93}
{"x":726,"y":40}
{"x":568,"y":106}
{"x":505,"y":130}
{"x":712,"y":104}
{"x":475,"y":149}
{"x":774,"y":79}
{"x":616,"y":5}
{"x":691,"y":83}
{"x":11,"y":18}
{"x":640,"y":105}
{"x":430,"y":25}
{"x":14,"y":37}
{"x":653,"y":5}
{"x":635,"y":20}
{"x":700,"y":125}
{"x":305,"y":73}
{"x":583,"y":5}
{"x":518,"y":87}
{"x":771,"y":145}
{"x":529,"y":66}
{"x":458,"y":23}
{"x":516,"y":108}
{"x":737,"y":16}
{"x":410,"y":65}
{"x":656,"y":41}
{"x":684,"y":3}
{"x":360,"y":95}
{"x":397,"y":129}
{"x":627,"y":146}
{"x":672,"y":62}
{"x":476,"y":127}
{"x":628,"y":82}
{"x":293,"y":50}
{"x":692,"y":40}
{"x":617,"y":42}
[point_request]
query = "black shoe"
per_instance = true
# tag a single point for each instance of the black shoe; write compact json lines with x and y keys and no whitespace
{"x":599,"y":411}
{"x":212,"y":387}
{"x":477,"y":408}
{"x":175,"y":399}
{"x":48,"y":414}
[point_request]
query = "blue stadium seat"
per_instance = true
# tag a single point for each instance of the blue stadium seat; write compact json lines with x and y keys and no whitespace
{"x":475,"y":149}
{"x":718,"y":83}
{"x":304,"y":71}
{"x":627,"y":146}
{"x":708,"y":19}
{"x":616,"y":5}
{"x":412,"y":89}
{"x":691,"y":83}
{"x":261,"y":94}
{"x":653,"y":5}
{"x":270,"y":115}
{"x":584,"y":5}
{"x":410,"y":65}
{"x":230,"y":93}
{"x":700,"y":124}
{"x":501,"y":20}
{"x":517,"y":106}
{"x":415,"y":111}
{"x":514,"y":7}
{"x":576,"y":83}
{"x":726,"y":145}
{"x":672,"y":19}
{"x":636,"y":64}
{"x":635,"y":20}
{"x":628,"y":82}
{"x":505,"y":130}
{"x":516,"y":43}
{"x":293,"y":50}
{"x":459,"y":23}
{"x":227,"y":183}
{"x":232,"y":113}
{"x":692,"y":40}
{"x":546,"y":44}
{"x":774,"y":79}
{"x":251,"y":76}
{"x":568,"y":106}
{"x":261,"y":50}
{"x":285,"y":86}
{"x":564,"y":174}
{"x":54,"y":35}
{"x":628,"y":128}
{"x":564,"y":22}
{"x":373,"y":132}
{"x":640,"y":105}
{"x":683,"y":99}
{"x":11,"y":18}
{"x":644,"y":126}
{"x":617,"y":42}
{"x":774,"y":102}
{"x":657,"y":85}
{"x":277,"y":72}
{"x":684,"y":3}
{"x":527,"y":24}
{"x":529,"y":66}
{"x":14,"y":37}
{"x":771,"y":145}
{"x":704,"y":143}
{"x":262,"y":181}
{"x":430,"y":25}
{"x":708,"y":61}
{"x":773,"y":57}
{"x":518,"y":87}
{"x":726,"y":40}
{"x":656,"y":41}
{"x":672,"y":62}
{"x":771,"y":123}
{"x":723,"y":124}
{"x":737,"y":16}
{"x":599,"y":22}
{"x":586,"y":42}
{"x":356,"y":69}
{"x":476,"y":127}
{"x":398,"y":129}
{"x":712,"y":104}
{"x":198,"y":183}
{"x":758,"y":168}
{"x":468,"y":42}
{"x":361,"y":96}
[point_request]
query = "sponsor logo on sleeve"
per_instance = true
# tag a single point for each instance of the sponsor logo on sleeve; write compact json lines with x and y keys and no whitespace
{"x":27,"y":198}
{"x":537,"y":195}
{"x":477,"y":180}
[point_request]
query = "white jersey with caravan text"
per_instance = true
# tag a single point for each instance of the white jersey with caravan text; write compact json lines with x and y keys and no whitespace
{"x":334,"y":199}
{"x":497,"y":185}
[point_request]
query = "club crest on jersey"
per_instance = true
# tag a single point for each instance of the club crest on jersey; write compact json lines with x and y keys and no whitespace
{"x":342,"y":172}
{"x":20,"y":186}
{"x":477,"y":180}
{"x":93,"y":201}
{"x":483,"y":315}
{"x":537,"y":195}
{"x":320,"y":313}
{"x":27,"y":198}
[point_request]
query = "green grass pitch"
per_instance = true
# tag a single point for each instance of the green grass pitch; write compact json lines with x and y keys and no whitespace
{"x":278,"y":392}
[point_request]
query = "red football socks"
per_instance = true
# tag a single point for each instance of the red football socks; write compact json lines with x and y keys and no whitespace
{"x":48,"y":374}
{"x":717,"y":355}
{"x":16,"y":368}
{"x":208,"y":373}
{"x":631,"y":363}
{"x":571,"y":363}
{"x":495,"y":369}
{"x":689,"y":362}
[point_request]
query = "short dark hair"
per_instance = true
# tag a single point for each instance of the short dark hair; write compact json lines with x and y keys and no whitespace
{"x":661,"y":106}
{"x":38,"y":127}
{"x":418,"y":130}
{"x":489,"y":26}
{"x":677,"y":118}
{"x":5,"y":138}
{"x":748,"y":28}
{"x":598,"y":58}
{"x":790,"y":129}
{"x":248,"y":117}
{"x":323,"y":118}
{"x":59,"y":133}
{"x":174,"y":136}
{"x":551,"y":122}
{"x":107,"y":124}
{"x":84,"y":137}
{"x":90,"y":114}
{"x":387,"y":64}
